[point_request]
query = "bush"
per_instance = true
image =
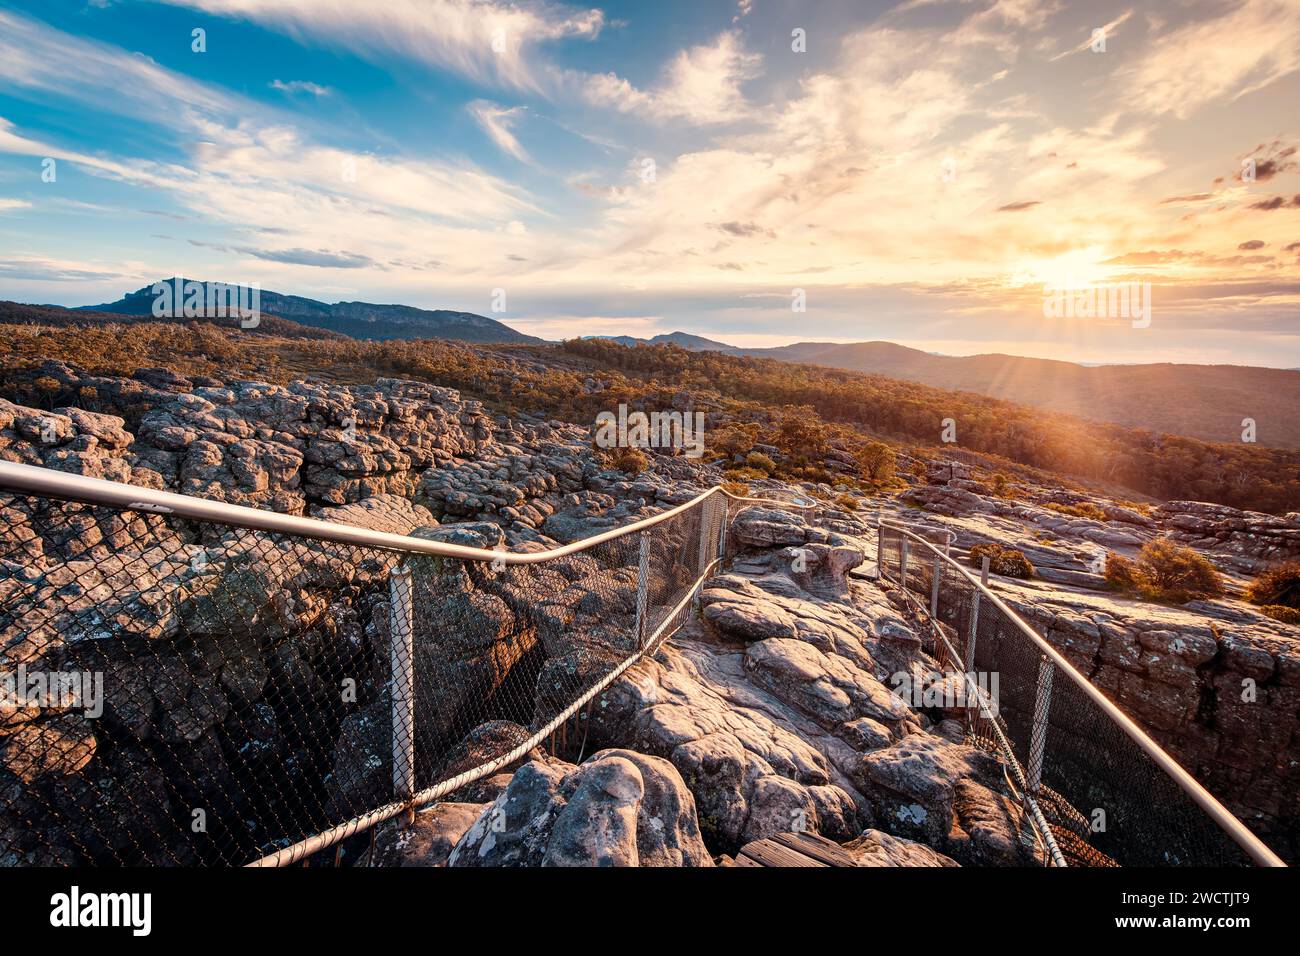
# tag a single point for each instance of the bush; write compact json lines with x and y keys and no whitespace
{"x":847,"y":502}
{"x":757,"y":461}
{"x":1084,"y":509}
{"x":1000,"y":485}
{"x":737,"y":488}
{"x":1280,"y":612}
{"x":1277,"y":586}
{"x":631,"y":460}
{"x":1164,"y":571}
{"x":1007,"y":562}
{"x":743,"y":474}
{"x":877,"y":461}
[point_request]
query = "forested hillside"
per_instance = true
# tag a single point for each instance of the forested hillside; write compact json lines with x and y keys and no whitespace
{"x":811,"y":413}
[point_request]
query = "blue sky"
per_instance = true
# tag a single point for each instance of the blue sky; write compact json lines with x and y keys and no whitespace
{"x":921,"y":170}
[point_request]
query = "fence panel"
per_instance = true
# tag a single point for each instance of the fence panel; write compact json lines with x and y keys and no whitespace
{"x":191,"y":692}
{"x":1106,"y":799}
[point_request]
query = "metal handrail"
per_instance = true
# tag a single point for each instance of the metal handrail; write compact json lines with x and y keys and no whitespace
{"x":1237,"y":830}
{"x":32,"y":479}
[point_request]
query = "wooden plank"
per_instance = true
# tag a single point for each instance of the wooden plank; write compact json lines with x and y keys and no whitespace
{"x":771,"y":853}
{"x":742,"y":860}
{"x":816,"y":846}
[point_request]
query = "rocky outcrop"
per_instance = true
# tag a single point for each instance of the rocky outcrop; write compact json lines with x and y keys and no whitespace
{"x":1247,"y":540}
{"x":619,"y":808}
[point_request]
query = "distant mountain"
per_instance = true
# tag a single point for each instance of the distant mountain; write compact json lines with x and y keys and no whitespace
{"x":692,"y":343}
{"x":360,"y":320}
{"x":1201,"y":401}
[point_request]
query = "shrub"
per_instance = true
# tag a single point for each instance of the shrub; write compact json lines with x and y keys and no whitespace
{"x":847,"y":502}
{"x":631,"y":460}
{"x":743,"y":474}
{"x":1278,"y":586}
{"x":1000,"y":485}
{"x":760,"y":462}
{"x":737,"y":488}
{"x":877,"y":461}
{"x":1164,"y":571}
{"x":1005,"y":561}
{"x":1084,"y":509}
{"x":1280,"y":612}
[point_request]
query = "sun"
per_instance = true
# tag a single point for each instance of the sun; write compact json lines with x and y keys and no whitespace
{"x":1076,"y":269}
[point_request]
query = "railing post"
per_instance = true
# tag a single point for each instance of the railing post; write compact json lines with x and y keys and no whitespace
{"x":401,"y":661}
{"x":642,"y":589}
{"x":902,"y":564}
{"x":706,"y":534}
{"x":984,"y":570}
{"x":1038,"y":736}
{"x":723,"y":521}
{"x":969,"y":669}
{"x":934,"y":587}
{"x":880,"y":548}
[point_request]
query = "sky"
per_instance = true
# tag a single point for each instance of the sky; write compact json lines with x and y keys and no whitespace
{"x":920,"y":172}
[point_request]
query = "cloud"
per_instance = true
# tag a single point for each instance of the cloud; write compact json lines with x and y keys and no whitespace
{"x":311,"y":257}
{"x":485,"y":41}
{"x":300,"y":86}
{"x":1276,"y":159}
{"x":8,"y":205}
{"x":1253,"y":44}
{"x":35,"y":268}
{"x":496,"y":122}
{"x":38,"y":57}
{"x":1276,"y":202}
{"x":701,"y":85}
{"x":1107,"y":32}
{"x":1018,"y":206}
{"x":1252,"y":244}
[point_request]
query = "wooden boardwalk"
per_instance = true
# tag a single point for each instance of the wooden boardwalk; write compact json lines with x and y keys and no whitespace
{"x":794,"y":849}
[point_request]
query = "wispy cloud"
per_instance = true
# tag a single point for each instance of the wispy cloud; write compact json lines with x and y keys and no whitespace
{"x":486,"y":41}
{"x":300,"y":86}
{"x":1252,"y":45}
{"x":496,"y":121}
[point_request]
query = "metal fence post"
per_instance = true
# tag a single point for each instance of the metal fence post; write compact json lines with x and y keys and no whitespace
{"x":1038,"y":736}
{"x":723,"y":521}
{"x":984,"y":570}
{"x":706,"y":534}
{"x":642,"y":589}
{"x":934,"y":587}
{"x":880,"y":547}
{"x":401,"y":660}
{"x":902,"y":564}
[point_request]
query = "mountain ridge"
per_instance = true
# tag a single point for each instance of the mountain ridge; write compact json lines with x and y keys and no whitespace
{"x":361,"y":320}
{"x":1211,"y":402}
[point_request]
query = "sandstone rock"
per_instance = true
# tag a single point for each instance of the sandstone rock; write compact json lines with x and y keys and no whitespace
{"x":619,"y":808}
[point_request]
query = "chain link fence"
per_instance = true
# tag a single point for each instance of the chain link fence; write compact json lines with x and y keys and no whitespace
{"x":180,"y":690}
{"x":1107,"y":793}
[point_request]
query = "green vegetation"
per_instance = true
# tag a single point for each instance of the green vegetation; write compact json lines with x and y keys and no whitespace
{"x":1164,"y":571}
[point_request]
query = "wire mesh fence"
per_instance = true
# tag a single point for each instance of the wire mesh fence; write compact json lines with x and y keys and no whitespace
{"x":1105,"y":798}
{"x":187,"y":692}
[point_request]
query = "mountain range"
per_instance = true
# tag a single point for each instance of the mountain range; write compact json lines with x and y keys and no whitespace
{"x":1211,"y":402}
{"x":360,"y":320}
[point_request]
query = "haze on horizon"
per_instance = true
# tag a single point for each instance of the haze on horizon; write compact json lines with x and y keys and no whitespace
{"x":920,"y":171}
